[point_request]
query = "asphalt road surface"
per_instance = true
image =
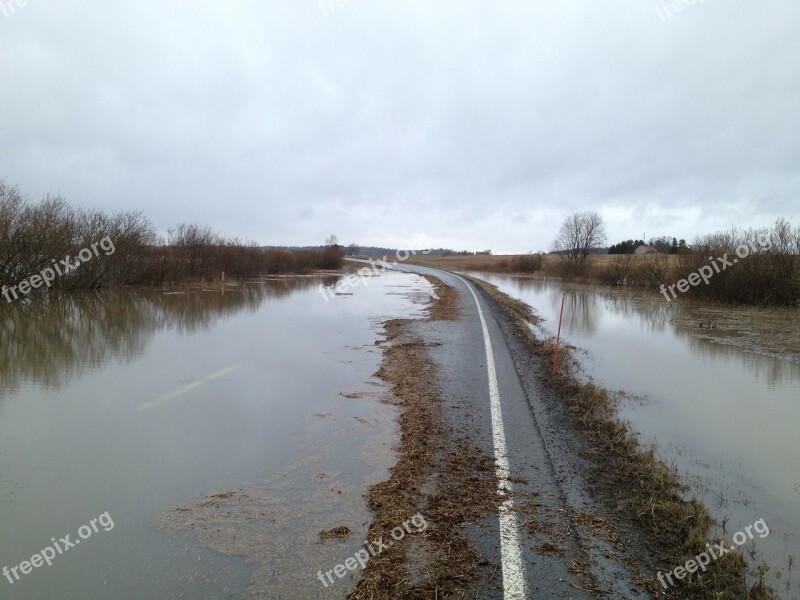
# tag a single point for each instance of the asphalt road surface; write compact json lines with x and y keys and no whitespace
{"x":493,"y":394}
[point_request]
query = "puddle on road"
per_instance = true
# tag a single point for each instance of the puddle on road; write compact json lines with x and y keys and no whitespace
{"x":138,"y":401}
{"x":722,"y":410}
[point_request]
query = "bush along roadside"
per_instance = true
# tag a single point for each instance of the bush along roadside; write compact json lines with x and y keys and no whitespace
{"x":52,"y":246}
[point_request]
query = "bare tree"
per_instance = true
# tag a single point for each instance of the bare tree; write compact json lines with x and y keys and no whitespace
{"x":580,"y":233}
{"x":192,"y":244}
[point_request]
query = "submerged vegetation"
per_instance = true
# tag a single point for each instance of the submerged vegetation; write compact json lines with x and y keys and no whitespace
{"x":35,"y":236}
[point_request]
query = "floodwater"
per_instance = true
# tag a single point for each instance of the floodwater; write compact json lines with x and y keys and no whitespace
{"x":726,"y":417}
{"x":134,"y":403}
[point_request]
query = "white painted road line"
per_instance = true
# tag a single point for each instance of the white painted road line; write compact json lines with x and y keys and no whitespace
{"x":185,"y":389}
{"x":514,"y":585}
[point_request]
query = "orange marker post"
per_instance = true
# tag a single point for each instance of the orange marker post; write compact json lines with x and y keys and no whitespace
{"x":558,"y":337}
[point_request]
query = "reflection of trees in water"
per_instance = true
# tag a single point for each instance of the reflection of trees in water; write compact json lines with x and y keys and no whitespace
{"x":581,"y":308}
{"x":776,"y":371}
{"x":50,"y":341}
{"x":660,"y":316}
{"x":656,"y":316}
{"x":582,"y":311}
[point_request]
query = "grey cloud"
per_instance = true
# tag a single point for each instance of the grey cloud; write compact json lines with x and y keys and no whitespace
{"x":474,"y":125}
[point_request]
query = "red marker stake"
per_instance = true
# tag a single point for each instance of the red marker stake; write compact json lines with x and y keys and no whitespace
{"x":558,"y":337}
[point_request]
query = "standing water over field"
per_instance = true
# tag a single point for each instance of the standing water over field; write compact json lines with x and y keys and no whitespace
{"x":726,"y":417}
{"x":146,"y":405}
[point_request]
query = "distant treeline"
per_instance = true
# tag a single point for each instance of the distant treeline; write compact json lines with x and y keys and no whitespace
{"x":661,"y":244}
{"x":35,"y":237}
{"x":356,"y":250}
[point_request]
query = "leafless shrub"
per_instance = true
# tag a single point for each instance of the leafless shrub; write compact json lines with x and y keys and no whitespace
{"x":34,"y":236}
{"x":652,"y":270}
{"x":526,"y":263}
{"x":767,"y":273}
{"x":618,"y":271}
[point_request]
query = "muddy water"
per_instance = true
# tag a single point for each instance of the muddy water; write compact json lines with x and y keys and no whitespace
{"x":136,"y":403}
{"x":726,"y":416}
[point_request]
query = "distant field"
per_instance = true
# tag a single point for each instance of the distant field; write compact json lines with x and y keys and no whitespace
{"x":503,"y":263}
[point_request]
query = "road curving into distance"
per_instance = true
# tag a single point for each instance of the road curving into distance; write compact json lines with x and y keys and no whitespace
{"x":550,"y":538}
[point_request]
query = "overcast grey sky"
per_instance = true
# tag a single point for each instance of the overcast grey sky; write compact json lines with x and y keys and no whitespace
{"x":465,"y":124}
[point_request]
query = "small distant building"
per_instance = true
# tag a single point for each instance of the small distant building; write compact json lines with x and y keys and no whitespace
{"x":645,"y":249}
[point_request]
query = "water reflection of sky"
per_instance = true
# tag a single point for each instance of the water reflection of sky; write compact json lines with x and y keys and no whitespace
{"x":726,"y":417}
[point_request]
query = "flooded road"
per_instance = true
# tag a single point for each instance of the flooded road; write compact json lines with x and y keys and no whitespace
{"x":725,"y":417}
{"x":131,"y":403}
